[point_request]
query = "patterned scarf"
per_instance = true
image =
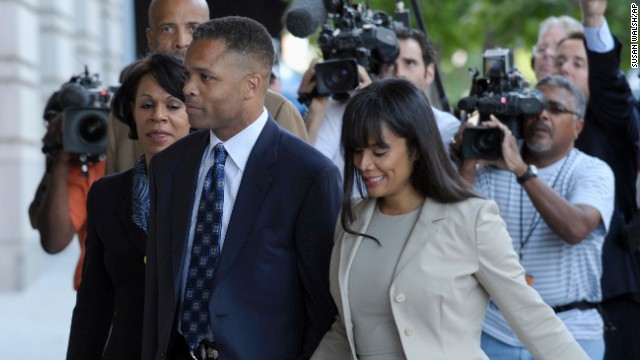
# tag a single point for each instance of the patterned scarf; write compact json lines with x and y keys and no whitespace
{"x":140,"y":195}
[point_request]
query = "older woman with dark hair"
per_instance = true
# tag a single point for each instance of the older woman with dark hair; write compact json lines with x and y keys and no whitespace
{"x":418,"y":256}
{"x":107,"y":319}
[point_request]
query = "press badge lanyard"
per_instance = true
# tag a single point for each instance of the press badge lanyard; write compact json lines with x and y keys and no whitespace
{"x":536,"y":218}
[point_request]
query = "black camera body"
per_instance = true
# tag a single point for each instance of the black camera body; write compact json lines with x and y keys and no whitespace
{"x":500,"y":92}
{"x":480,"y":142}
{"x":336,"y":76}
{"x":358,"y":37}
{"x":85,"y":108}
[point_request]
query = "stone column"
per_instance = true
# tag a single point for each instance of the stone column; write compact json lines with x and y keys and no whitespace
{"x":21,"y":128}
{"x":45,"y":43}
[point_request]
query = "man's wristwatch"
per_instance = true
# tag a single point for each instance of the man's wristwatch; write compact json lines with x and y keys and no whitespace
{"x":532,"y":171}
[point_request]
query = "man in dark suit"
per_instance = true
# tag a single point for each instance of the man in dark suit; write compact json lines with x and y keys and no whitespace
{"x":269,"y":293}
{"x":610,"y":133}
{"x":171,"y":24}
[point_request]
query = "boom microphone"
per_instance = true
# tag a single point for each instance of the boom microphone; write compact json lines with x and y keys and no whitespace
{"x":73,"y":95}
{"x":304,"y":17}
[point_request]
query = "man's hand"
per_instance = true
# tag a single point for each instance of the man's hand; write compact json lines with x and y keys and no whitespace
{"x":316,"y":104}
{"x":511,"y":158}
{"x":593,"y":12}
{"x":455,"y":147}
{"x":363,"y":77}
{"x":52,"y":140}
{"x":308,"y":83}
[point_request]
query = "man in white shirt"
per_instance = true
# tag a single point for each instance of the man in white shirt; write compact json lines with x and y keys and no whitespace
{"x":240,"y":270}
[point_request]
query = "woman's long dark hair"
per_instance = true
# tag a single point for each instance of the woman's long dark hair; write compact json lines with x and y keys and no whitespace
{"x":406,"y":112}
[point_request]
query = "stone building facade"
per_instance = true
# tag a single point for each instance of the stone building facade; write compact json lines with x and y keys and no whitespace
{"x":44,"y":43}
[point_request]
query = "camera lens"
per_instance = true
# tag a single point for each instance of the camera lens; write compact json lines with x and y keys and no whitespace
{"x":482,"y":143}
{"x":339,"y":77}
{"x":336,"y":76}
{"x":486,"y":142}
{"x":92,"y":128}
{"x":85,"y":130}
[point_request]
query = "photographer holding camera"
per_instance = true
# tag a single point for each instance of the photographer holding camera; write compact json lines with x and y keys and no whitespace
{"x":353,"y":52}
{"x":76,"y":118}
{"x":415,"y":62}
{"x":324,"y":114}
{"x":557,"y":203}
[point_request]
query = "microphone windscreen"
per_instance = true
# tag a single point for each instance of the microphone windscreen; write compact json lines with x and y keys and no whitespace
{"x":468,"y":103}
{"x":304,"y":17}
{"x":73,"y":95}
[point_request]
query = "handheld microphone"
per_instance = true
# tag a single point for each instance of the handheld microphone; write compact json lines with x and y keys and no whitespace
{"x":304,"y":17}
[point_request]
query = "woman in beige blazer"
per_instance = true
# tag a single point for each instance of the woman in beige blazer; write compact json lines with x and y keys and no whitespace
{"x":416,"y":260}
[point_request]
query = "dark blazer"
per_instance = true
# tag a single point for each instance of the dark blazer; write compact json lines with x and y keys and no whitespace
{"x":271,"y":295}
{"x":610,"y":133}
{"x":107,"y":319}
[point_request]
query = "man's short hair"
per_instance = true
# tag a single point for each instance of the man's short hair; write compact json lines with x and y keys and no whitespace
{"x":429,"y":54}
{"x":242,"y":36}
{"x":576,"y":35}
{"x":579,"y":102}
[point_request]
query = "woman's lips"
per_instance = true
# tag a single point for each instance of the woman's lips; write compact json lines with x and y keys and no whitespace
{"x":158,"y":136}
{"x":373,"y":181}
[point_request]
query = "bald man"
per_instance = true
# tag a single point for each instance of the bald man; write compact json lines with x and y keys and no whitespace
{"x":171,"y":25}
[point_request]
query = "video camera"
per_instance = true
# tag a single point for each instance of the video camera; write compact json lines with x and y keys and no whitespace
{"x":361,"y":36}
{"x":500,"y":92}
{"x":85,"y":113}
{"x":358,"y":36}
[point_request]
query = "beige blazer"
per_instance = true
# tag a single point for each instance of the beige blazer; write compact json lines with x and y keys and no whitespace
{"x":123,"y":152}
{"x":457,"y":256}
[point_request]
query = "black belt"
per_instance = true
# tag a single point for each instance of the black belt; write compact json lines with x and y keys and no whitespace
{"x":580,"y":305}
{"x":179,"y":350}
{"x":206,"y":350}
{"x":585,"y":305}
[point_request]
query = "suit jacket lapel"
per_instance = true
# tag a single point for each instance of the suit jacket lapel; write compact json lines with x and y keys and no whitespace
{"x":422,"y":232}
{"x":185,"y":180}
{"x":255,"y":182}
